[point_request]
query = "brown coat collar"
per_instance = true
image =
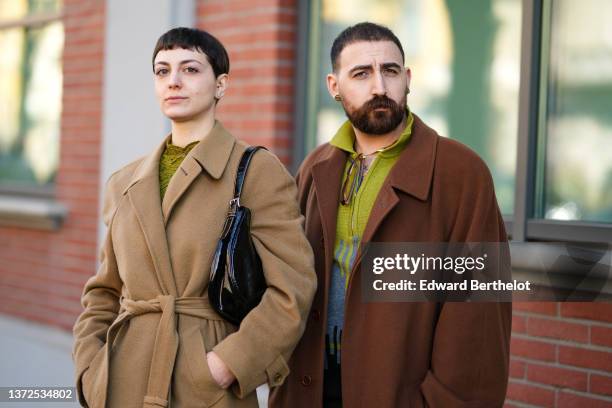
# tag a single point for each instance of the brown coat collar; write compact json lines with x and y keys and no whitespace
{"x":412,"y":174}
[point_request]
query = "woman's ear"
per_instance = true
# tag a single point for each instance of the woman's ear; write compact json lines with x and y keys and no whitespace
{"x":222,"y":84}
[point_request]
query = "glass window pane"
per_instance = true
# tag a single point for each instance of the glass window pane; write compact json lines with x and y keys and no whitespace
{"x":465,"y":63}
{"x":31,"y":87}
{"x":16,"y":9}
{"x":576,"y":170}
{"x":13,"y":9}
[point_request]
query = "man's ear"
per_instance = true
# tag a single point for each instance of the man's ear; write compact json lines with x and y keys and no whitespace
{"x":408,"y":77}
{"x":332,"y":85}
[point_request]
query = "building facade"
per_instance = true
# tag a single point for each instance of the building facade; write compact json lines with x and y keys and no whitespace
{"x":525,"y":83}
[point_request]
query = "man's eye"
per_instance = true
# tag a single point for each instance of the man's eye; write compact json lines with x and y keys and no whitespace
{"x":361,"y":74}
{"x":391,"y":71}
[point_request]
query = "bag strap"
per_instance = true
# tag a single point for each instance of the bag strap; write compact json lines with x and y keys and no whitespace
{"x":243,"y":166}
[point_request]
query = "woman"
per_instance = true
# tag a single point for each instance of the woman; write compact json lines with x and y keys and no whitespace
{"x":148,"y":337}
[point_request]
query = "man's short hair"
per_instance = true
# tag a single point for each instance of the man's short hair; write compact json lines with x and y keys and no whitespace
{"x":195,"y":40}
{"x":365,"y":31}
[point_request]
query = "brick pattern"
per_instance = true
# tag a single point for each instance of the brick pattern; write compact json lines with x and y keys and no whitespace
{"x":42,"y":273}
{"x":561,"y":355}
{"x":260,"y":37}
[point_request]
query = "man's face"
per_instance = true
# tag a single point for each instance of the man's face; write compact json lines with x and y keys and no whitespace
{"x":373,"y":83}
{"x":185,"y":83}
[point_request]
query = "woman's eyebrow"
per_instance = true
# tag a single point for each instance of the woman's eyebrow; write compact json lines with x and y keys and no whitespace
{"x":180,"y":63}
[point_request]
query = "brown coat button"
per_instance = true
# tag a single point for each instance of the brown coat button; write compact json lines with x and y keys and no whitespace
{"x":306,"y":380}
{"x":278,"y":378}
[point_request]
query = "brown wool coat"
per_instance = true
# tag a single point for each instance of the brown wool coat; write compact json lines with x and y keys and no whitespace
{"x":147,"y":325}
{"x":405,"y":355}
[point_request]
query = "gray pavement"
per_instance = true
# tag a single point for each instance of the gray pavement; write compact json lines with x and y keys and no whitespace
{"x":35,"y":355}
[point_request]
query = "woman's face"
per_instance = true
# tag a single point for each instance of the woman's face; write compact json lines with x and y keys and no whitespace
{"x":185,"y":84}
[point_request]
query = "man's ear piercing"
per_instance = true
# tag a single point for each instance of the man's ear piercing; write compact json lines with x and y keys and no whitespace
{"x":337,"y":97}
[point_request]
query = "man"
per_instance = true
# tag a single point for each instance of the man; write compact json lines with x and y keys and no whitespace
{"x":387,"y":177}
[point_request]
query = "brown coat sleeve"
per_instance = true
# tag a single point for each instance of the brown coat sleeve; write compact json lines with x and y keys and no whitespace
{"x":470,"y":357}
{"x":100,"y":300}
{"x":258,"y":352}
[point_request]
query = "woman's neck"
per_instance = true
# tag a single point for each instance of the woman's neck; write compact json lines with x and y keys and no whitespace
{"x":188,"y":131}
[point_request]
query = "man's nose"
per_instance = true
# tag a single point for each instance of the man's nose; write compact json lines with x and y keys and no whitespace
{"x":378,"y":87}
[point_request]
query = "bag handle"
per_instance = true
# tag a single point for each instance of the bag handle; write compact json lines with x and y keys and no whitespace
{"x":245,"y":160}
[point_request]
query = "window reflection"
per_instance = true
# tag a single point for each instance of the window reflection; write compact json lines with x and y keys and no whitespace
{"x":30,"y":91}
{"x":578,"y":125}
{"x":465,"y":71}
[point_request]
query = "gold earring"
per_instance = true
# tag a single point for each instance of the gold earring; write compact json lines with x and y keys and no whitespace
{"x":337,"y":97}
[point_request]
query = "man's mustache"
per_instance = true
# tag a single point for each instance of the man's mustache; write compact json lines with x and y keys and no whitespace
{"x":379,"y":102}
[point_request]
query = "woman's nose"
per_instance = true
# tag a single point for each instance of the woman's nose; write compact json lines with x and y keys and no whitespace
{"x":175,"y":80}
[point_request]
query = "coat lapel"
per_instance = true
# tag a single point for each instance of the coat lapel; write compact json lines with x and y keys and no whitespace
{"x":143,"y":192}
{"x":412,"y":174}
{"x":179,"y":183}
{"x":211,"y":154}
{"x":327,"y":179}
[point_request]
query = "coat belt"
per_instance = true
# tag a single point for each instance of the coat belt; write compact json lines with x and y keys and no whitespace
{"x":166,"y":338}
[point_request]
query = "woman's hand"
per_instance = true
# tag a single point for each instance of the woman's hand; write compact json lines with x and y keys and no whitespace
{"x":220,"y":373}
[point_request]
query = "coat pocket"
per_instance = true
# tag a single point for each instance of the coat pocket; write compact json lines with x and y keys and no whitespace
{"x":207,"y":389}
{"x":94,"y":378}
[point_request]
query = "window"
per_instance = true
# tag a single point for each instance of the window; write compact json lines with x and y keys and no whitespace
{"x":575,"y":134}
{"x":31,"y":40}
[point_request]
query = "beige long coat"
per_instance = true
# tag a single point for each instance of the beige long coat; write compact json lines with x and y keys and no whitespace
{"x":147,"y":325}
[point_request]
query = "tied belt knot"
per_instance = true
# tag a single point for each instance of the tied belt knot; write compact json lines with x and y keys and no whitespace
{"x":166,"y":337}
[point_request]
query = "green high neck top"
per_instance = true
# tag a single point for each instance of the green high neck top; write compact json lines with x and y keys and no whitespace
{"x":170,"y":160}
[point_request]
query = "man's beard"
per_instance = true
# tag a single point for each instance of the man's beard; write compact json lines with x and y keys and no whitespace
{"x":372,"y":122}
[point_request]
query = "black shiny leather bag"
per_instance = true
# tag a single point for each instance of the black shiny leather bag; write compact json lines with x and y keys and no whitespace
{"x":237,"y":282}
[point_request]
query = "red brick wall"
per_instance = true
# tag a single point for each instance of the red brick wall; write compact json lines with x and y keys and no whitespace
{"x":260,"y":36}
{"x":42,"y":273}
{"x":561,"y":355}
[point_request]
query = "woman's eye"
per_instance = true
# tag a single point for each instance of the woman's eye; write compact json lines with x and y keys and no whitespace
{"x":191,"y":69}
{"x":161,"y":71}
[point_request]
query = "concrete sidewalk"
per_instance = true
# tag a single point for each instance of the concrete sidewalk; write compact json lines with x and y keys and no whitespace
{"x":34,"y":355}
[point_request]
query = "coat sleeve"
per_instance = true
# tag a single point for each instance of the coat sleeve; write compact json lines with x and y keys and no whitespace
{"x":258,"y":352}
{"x":100,"y":301}
{"x":470,"y":355}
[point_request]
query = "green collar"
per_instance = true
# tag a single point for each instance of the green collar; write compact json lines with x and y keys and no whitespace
{"x":344,"y":139}
{"x":173,"y":150}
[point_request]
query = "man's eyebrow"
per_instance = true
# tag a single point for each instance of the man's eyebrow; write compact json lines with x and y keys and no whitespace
{"x":368,"y":67}
{"x":392,"y":65}
{"x":360,"y":67}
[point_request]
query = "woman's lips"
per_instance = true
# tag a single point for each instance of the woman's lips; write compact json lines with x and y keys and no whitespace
{"x":175,"y":99}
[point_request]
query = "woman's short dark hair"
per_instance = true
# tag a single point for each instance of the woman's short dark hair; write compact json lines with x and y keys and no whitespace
{"x":195,"y":40}
{"x":365,"y":31}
